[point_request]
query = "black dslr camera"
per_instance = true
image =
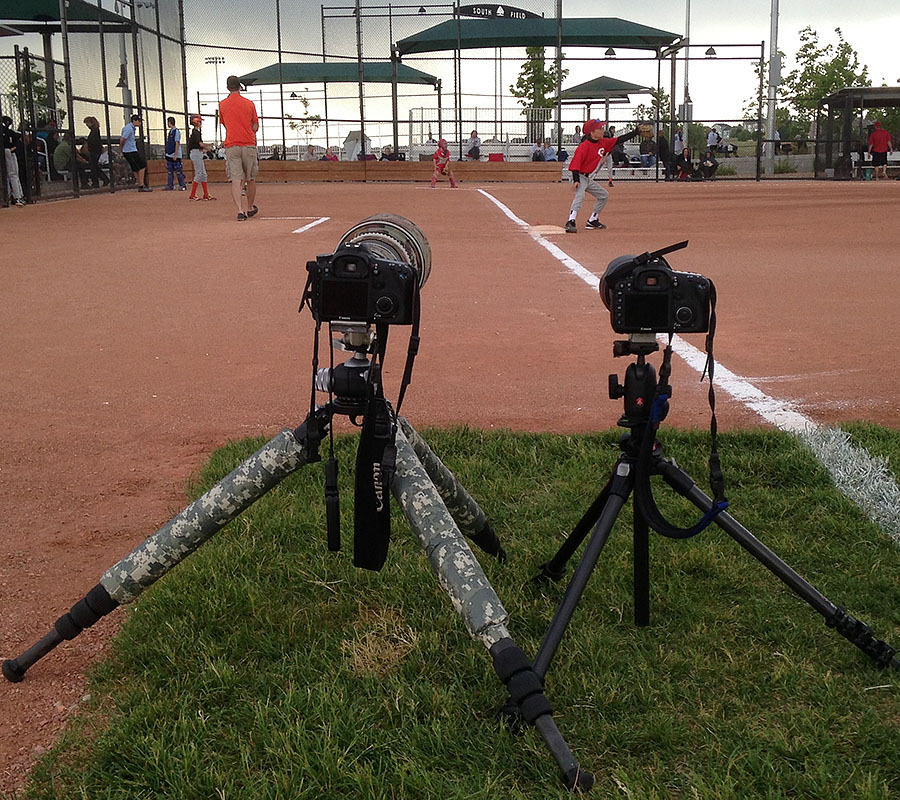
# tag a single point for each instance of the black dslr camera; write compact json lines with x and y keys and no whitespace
{"x":354,"y":285}
{"x":645,"y":295}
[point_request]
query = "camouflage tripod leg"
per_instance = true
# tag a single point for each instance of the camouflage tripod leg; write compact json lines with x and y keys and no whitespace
{"x":177,"y":539}
{"x":473,"y":597}
{"x":462,"y":507}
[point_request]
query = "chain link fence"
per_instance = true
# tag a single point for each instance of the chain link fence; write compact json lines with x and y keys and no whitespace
{"x":164,"y":58}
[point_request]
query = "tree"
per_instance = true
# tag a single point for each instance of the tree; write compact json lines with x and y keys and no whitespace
{"x":536,"y":86}
{"x":40,"y":93}
{"x":659,"y":101}
{"x":306,"y":124}
{"x":889,"y":119}
{"x":820,"y":71}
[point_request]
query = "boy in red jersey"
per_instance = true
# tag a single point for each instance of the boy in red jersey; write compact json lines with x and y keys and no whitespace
{"x":441,"y":160}
{"x":585,"y":164}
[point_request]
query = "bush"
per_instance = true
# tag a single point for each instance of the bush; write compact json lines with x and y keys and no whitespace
{"x":783,"y":166}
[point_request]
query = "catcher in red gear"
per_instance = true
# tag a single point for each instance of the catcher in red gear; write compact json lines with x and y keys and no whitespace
{"x":442,"y":166}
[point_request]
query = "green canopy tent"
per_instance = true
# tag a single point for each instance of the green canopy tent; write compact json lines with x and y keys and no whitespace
{"x":848,"y":105}
{"x":468,"y":34}
{"x":43,"y":16}
{"x":335,"y":72}
{"x":604,"y":90}
{"x":325,"y":72}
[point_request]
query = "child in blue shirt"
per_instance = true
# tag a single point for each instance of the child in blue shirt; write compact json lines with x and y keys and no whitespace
{"x":173,"y":157}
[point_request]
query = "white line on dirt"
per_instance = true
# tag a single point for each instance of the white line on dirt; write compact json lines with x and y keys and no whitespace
{"x":866,"y":480}
{"x":318,"y":221}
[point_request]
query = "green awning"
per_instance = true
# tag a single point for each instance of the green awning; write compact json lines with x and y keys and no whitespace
{"x":603,"y":88}
{"x":48,"y":11}
{"x":335,"y":72}
{"x":469,"y":34}
{"x":863,"y":97}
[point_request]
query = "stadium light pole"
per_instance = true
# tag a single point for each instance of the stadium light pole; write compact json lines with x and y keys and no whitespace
{"x":774,"y":81}
{"x":215,"y":61}
{"x":687,"y":111}
{"x":127,"y":104}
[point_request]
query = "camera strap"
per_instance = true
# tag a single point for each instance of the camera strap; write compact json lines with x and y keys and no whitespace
{"x":376,"y":461}
{"x":413,"y":348}
{"x":643,"y":492}
{"x":716,"y":478}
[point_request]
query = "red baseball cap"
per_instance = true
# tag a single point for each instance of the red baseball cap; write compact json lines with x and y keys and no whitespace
{"x":591,"y":124}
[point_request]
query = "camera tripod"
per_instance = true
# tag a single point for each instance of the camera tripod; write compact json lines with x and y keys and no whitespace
{"x":598,"y":521}
{"x":439,"y":510}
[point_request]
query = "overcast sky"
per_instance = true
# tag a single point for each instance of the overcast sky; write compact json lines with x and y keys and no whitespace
{"x":872,"y":28}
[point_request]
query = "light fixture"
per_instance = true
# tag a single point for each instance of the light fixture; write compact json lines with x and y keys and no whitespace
{"x":293,"y":95}
{"x":422,"y":10}
{"x":710,"y":53}
{"x":610,"y":53}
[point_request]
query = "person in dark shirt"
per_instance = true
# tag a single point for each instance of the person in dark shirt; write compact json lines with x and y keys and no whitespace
{"x":684,"y":166}
{"x":94,"y":151}
{"x":664,"y":153}
{"x":12,"y":144}
{"x":196,"y":149}
{"x":388,"y":154}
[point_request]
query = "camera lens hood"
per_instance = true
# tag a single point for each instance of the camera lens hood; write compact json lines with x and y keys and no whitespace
{"x":393,"y":238}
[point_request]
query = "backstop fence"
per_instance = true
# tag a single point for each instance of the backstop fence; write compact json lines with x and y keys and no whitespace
{"x":108,"y":59}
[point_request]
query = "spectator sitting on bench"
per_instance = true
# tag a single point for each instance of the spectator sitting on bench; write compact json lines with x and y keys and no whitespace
{"x":619,"y":157}
{"x":549,"y":151}
{"x":537,"y":151}
{"x":63,"y":154}
{"x":388,"y":154}
{"x":473,"y":147}
{"x":684,"y":166}
{"x":708,"y":166}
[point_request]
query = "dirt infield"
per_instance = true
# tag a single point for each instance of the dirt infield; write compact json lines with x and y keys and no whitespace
{"x":142,"y":332}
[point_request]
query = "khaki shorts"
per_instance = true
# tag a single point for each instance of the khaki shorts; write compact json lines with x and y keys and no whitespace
{"x":241,"y":163}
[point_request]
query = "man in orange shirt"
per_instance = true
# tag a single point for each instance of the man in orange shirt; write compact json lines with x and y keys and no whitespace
{"x":238,"y":115}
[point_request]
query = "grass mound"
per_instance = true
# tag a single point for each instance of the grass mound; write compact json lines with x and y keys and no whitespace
{"x":267,"y":667}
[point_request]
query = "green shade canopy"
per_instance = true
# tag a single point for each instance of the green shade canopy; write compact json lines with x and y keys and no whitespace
{"x":339,"y":72}
{"x":863,"y":97}
{"x":468,"y":34}
{"x":603,"y":88}
{"x":47,"y":11}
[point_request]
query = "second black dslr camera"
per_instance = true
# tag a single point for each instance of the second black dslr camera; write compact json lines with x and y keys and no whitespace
{"x":645,"y":295}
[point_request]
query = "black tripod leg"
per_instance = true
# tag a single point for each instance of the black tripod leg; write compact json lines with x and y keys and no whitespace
{"x":555,"y":568}
{"x":526,"y":691}
{"x":641,"y":570}
{"x":178,"y":538}
{"x":617,"y":493}
{"x":852,"y":629}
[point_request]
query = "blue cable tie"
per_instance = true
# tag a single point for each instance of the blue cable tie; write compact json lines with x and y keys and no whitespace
{"x":656,"y":409}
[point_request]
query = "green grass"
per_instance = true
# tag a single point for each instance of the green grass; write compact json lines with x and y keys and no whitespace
{"x":879,"y":442}
{"x":267,"y":667}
